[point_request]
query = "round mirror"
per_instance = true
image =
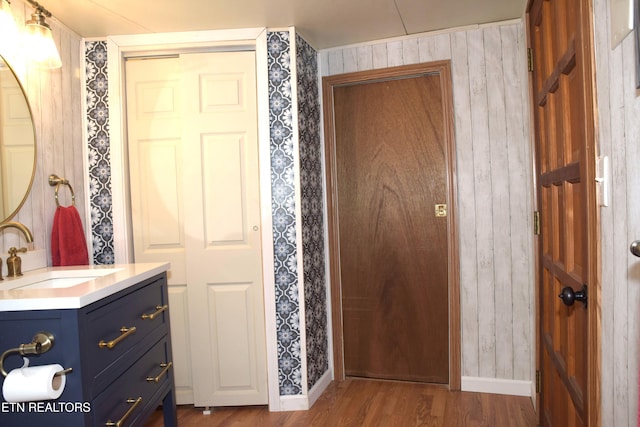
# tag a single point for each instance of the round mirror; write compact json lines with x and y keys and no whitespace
{"x":17,"y":143}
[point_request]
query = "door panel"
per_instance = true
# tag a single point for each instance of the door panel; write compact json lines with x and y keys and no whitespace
{"x":155,"y":155}
{"x":183,"y":375}
{"x":391,"y":173}
{"x":563,"y":107}
{"x":195,"y":193}
{"x":160,"y":202}
{"x":222,"y":188}
{"x":222,"y":228}
{"x":154,"y":137}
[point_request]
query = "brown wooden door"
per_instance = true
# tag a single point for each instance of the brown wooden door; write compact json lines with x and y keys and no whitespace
{"x":391,"y":172}
{"x":564,"y":113}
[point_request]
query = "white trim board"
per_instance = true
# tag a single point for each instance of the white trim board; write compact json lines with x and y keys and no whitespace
{"x":299,"y":402}
{"x":497,"y":386}
{"x":302,"y":402}
{"x":319,"y":388}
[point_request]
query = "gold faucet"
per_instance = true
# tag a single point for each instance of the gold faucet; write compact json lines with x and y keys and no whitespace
{"x":13,"y":224}
{"x":14,"y":263}
{"x":15,"y":266}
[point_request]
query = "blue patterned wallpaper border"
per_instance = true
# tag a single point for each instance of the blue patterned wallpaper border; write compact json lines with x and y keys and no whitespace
{"x":312,"y":206}
{"x":99,"y":152}
{"x":283,"y":205}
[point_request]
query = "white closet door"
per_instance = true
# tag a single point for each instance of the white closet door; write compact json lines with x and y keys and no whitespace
{"x":196,"y":199}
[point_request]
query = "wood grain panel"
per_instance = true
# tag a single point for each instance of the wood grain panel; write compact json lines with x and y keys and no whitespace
{"x":484,"y":232}
{"x":476,"y":54}
{"x":391,"y":172}
{"x":500,"y":186}
{"x":467,"y":200}
{"x":410,"y":51}
{"x":442,"y":69}
{"x":569,"y":334}
{"x":350,"y":60}
{"x":619,"y":132}
{"x":627,"y":316}
{"x":513,"y":46}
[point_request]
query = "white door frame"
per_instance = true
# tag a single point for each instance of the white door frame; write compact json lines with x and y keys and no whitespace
{"x":162,"y":43}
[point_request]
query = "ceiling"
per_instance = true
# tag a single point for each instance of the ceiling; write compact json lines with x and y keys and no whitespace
{"x":323,"y":23}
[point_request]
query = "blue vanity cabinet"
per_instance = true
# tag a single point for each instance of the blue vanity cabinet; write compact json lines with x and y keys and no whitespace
{"x":120,"y":350}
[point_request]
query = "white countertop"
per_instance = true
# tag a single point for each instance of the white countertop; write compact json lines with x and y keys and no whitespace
{"x":80,"y":285}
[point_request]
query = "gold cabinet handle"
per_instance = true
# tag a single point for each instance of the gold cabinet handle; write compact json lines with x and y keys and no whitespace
{"x":159,"y":309}
{"x":166,"y":367}
{"x":134,"y":403}
{"x":124,"y":332}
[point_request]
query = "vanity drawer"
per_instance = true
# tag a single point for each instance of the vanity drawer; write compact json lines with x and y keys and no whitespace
{"x":137,"y":388}
{"x":116,"y":328}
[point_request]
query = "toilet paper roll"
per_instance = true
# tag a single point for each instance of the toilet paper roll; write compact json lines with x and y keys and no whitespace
{"x":34,"y":383}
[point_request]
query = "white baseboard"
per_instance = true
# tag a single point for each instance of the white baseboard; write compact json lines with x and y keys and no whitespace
{"x":533,"y":394}
{"x":294,"y":403}
{"x":304,"y":402}
{"x":497,"y":386}
{"x":319,"y":388}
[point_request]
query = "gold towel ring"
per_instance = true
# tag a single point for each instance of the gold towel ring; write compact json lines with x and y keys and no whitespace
{"x":57,"y":181}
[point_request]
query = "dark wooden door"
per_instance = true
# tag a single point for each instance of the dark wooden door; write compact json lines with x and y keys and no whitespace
{"x":564,"y":112}
{"x":391,"y":174}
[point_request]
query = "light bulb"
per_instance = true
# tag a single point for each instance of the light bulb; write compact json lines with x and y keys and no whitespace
{"x":39,"y":43}
{"x":9,"y":33}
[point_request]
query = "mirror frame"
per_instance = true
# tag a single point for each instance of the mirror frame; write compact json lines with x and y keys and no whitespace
{"x":35,"y":144}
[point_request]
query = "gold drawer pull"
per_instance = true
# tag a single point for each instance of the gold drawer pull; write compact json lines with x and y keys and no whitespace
{"x":166,"y":367}
{"x":159,"y":309}
{"x":135,"y":403}
{"x":124,"y":331}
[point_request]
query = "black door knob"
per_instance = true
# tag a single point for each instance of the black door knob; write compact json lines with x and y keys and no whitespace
{"x":568,"y":296}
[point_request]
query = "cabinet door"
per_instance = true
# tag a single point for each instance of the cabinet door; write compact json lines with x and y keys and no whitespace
{"x":136,"y":391}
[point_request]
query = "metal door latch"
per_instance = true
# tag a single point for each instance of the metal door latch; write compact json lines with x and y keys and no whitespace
{"x":441,"y":211}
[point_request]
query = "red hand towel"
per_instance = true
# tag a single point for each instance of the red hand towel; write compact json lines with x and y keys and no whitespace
{"x":68,"y":245}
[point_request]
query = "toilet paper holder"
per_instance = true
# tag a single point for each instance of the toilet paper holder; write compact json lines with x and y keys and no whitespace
{"x":41,"y":343}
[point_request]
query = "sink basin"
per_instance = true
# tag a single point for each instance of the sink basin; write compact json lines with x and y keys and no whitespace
{"x":55,"y":279}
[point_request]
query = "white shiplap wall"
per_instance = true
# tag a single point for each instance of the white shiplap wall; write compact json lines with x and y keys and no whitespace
{"x":56,"y":103}
{"x":619,"y":138}
{"x":494,"y":170}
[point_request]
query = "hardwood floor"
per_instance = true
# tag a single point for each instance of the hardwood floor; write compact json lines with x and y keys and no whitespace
{"x":358,"y":402}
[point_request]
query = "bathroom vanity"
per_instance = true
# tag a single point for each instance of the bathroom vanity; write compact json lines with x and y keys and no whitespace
{"x":110,"y":326}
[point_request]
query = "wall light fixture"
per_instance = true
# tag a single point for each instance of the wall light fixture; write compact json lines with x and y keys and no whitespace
{"x":38,"y":39}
